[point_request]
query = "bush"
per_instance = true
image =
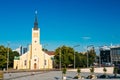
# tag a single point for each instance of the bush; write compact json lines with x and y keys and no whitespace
{"x":92,"y":77}
{"x":89,"y":77}
{"x":78,"y":70}
{"x":92,"y":70}
{"x":64,"y":71}
{"x":76,"y":77}
{"x":105,"y":70}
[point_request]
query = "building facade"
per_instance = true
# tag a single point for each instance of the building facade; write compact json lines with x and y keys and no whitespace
{"x":34,"y":58}
{"x":105,"y":55}
{"x":21,"y":50}
{"x":110,"y":55}
{"x":115,"y":54}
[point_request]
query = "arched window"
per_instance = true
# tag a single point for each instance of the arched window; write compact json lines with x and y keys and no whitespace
{"x":45,"y":62}
{"x":25,"y":62}
{"x":35,"y":66}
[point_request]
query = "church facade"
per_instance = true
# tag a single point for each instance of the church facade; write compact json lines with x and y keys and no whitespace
{"x":34,"y":58}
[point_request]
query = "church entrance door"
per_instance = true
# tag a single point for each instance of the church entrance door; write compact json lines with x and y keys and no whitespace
{"x":35,"y":66}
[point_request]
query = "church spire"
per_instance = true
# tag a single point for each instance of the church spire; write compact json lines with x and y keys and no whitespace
{"x":36,"y":21}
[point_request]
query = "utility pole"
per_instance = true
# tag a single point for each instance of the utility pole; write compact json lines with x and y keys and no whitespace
{"x":87,"y":58}
{"x":74,"y":55}
{"x":60,"y":58}
{"x":88,"y":55}
{"x":8,"y":57}
{"x":99,"y":56}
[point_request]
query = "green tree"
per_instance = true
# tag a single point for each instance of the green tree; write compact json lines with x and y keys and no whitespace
{"x":115,"y":71}
{"x":77,"y":59}
{"x":78,"y":73}
{"x":92,"y":70}
{"x":67,"y":55}
{"x":11,"y":58}
{"x":78,"y":70}
{"x":105,"y":70}
{"x":3,"y":61}
{"x":3,"y":56}
{"x":80,"y":60}
{"x":44,"y":49}
{"x":91,"y":56}
{"x":64,"y":70}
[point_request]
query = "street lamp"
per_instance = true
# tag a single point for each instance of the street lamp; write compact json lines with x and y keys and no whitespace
{"x":88,"y":55}
{"x":8,"y":57}
{"x":60,"y":58}
{"x":74,"y":54}
{"x":99,"y":57}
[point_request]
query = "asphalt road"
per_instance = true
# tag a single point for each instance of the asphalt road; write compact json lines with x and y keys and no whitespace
{"x":49,"y":75}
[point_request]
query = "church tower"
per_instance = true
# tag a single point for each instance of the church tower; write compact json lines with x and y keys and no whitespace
{"x":36,"y":31}
{"x":36,"y":46}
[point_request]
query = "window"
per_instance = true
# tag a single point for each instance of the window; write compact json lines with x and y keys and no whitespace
{"x":25,"y":62}
{"x":35,"y":60}
{"x":45,"y":62}
{"x":35,"y":41}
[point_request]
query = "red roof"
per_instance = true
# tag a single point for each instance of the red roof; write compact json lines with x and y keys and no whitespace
{"x":50,"y":52}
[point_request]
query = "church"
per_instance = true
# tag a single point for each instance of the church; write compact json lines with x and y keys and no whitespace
{"x":34,"y":58}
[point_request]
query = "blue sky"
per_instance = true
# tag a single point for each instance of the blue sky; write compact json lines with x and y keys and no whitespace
{"x":62,"y":22}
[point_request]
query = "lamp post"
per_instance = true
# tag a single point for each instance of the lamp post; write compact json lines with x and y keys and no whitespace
{"x":8,"y":57}
{"x":88,"y":55}
{"x":100,"y":48}
{"x":60,"y":58}
{"x":99,"y":57}
{"x":74,"y":54}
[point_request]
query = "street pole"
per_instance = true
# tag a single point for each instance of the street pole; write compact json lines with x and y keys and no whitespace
{"x":74,"y":55}
{"x":88,"y":55}
{"x":44,"y":61}
{"x":60,"y":58}
{"x":74,"y":59}
{"x":8,"y":57}
{"x":99,"y":56}
{"x":87,"y":58}
{"x":100,"y":60}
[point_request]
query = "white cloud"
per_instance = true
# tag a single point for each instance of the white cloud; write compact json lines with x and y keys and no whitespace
{"x":86,"y":38}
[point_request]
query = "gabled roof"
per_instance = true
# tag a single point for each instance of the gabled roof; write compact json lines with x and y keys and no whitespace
{"x":50,"y":52}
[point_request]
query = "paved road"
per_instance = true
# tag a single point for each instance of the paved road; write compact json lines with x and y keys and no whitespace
{"x":51,"y":75}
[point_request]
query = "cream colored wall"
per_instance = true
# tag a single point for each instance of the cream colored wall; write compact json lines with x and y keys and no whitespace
{"x":22,"y":61}
{"x":36,"y":53}
{"x":16,"y":64}
{"x":30,"y":62}
{"x":36,"y":37}
{"x":97,"y":70}
{"x":49,"y":61}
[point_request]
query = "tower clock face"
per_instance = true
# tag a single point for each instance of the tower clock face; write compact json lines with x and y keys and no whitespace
{"x":35,"y":35}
